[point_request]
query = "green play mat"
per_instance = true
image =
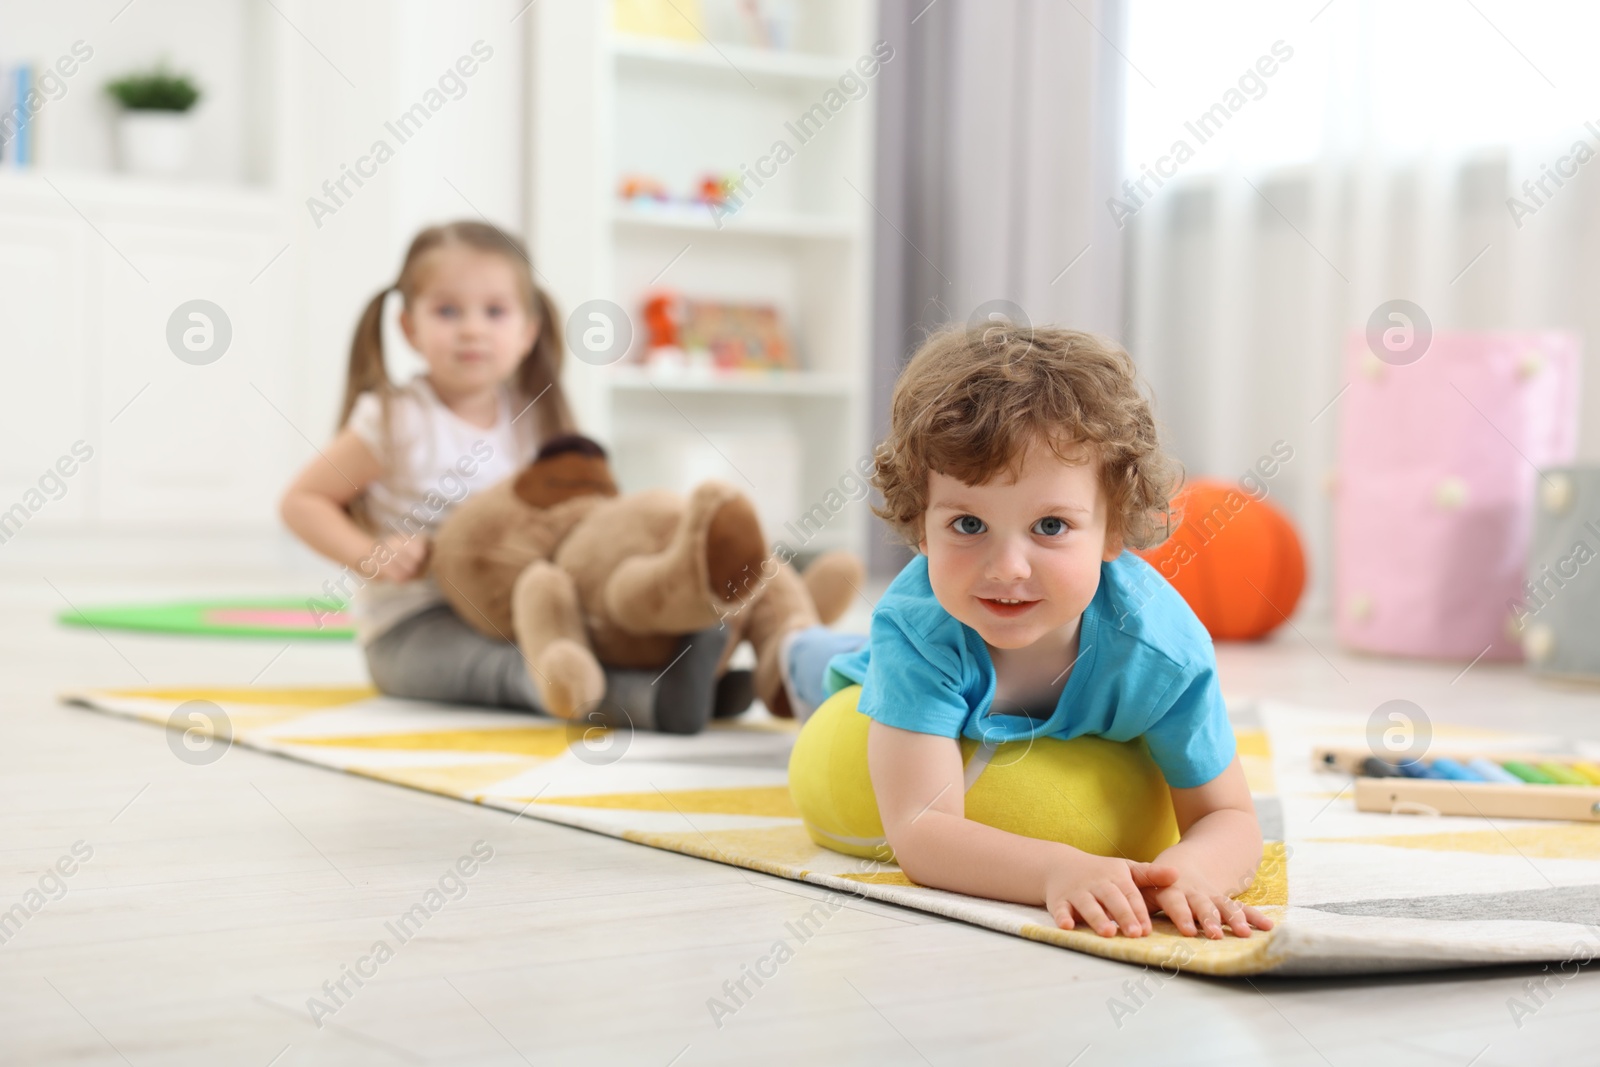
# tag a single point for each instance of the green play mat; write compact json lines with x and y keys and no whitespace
{"x":220,"y":618}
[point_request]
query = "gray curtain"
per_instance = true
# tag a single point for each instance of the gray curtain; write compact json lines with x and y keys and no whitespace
{"x":998,"y":144}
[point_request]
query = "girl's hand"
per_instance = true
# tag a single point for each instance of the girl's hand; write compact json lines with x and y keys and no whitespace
{"x":1104,"y":893}
{"x":400,"y":558}
{"x":1195,"y":904}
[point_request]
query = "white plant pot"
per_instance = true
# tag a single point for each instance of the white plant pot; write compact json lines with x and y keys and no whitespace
{"x":154,"y":142}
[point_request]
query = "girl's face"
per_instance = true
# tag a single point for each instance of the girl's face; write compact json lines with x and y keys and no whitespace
{"x":468,"y":320}
{"x":1039,"y":540}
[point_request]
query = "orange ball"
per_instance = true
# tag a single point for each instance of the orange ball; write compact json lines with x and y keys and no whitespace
{"x":1236,"y":560}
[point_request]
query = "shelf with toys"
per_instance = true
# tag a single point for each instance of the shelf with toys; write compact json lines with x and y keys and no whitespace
{"x":697,"y":168}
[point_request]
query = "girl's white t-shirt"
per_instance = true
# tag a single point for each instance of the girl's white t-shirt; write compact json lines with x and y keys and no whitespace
{"x":436,"y":460}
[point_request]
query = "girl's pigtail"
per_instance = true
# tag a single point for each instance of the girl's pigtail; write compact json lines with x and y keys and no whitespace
{"x":367,"y":373}
{"x":541,"y":372}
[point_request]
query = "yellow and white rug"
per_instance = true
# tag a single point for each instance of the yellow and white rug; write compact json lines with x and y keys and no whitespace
{"x":1352,"y":891}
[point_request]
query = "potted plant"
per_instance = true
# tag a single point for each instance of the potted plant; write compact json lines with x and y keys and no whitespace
{"x":153,"y":130}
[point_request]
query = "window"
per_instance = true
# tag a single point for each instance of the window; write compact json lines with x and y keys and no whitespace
{"x":1398,"y":78}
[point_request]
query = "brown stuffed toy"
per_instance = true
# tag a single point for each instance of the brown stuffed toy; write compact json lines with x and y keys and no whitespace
{"x":579,"y":576}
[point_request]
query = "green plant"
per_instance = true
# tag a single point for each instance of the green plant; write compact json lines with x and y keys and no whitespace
{"x":156,"y":90}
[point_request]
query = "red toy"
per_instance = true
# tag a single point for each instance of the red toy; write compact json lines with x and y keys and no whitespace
{"x":663,"y":319}
{"x":714,"y":189}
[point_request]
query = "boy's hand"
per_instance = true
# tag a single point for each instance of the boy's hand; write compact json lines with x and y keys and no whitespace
{"x":1196,"y":903}
{"x":400,"y":558}
{"x":1104,"y":893}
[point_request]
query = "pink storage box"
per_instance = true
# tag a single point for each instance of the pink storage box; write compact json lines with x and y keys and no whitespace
{"x":1435,"y":488}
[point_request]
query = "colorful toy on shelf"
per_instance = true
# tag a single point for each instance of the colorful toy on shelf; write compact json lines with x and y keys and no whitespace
{"x":1235,"y":559}
{"x":713,"y":335}
{"x":1434,"y":496}
{"x":770,"y":23}
{"x":644,"y":192}
{"x":715,"y":188}
{"x":642,"y":188}
{"x":663,"y":318}
{"x":663,"y":314}
{"x":673,"y":19}
{"x":1557,"y":614}
{"x":738,"y":336}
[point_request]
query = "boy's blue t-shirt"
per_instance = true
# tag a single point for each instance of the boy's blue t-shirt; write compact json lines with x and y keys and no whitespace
{"x":1145,"y":667}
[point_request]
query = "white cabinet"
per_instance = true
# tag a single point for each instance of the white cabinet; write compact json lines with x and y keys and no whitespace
{"x":44,"y":265}
{"x":92,"y":267}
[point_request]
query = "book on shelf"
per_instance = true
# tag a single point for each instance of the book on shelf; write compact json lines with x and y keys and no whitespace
{"x":18,"y":120}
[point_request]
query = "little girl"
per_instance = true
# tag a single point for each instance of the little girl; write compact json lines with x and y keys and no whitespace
{"x":406,"y":455}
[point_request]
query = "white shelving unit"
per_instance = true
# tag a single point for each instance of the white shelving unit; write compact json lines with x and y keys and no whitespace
{"x":607,"y":104}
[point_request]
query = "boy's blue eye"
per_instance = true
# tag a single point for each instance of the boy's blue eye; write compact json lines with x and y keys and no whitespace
{"x":1051,"y":526}
{"x":447,"y":310}
{"x":495,"y":311}
{"x":961,"y":524}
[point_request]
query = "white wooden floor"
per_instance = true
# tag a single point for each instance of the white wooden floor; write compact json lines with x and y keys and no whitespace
{"x":218,"y":899}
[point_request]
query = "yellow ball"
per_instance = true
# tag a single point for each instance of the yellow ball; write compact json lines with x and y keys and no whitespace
{"x":1104,"y":797}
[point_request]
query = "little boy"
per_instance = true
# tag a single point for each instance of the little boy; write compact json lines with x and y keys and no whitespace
{"x":1021,"y":465}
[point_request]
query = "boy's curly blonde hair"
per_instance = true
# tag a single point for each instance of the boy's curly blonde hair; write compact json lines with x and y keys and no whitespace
{"x":971,"y":400}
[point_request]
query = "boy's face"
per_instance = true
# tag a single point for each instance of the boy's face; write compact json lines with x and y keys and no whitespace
{"x":1040,"y":539}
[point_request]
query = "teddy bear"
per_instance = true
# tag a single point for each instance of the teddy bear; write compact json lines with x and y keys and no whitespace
{"x":581,"y":575}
